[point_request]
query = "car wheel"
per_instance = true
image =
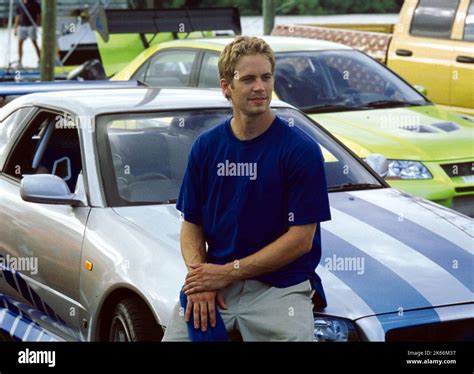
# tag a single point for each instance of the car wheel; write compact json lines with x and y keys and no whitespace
{"x":4,"y":337}
{"x":132,"y":321}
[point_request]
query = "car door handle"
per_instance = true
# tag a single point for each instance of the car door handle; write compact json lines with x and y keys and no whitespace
{"x":465,"y":59}
{"x":403,"y":52}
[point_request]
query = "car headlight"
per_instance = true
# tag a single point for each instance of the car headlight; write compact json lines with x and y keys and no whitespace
{"x":332,"y":329}
{"x":400,"y":169}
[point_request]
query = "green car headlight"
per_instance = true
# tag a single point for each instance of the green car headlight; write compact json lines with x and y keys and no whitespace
{"x":401,"y":169}
{"x":332,"y":329}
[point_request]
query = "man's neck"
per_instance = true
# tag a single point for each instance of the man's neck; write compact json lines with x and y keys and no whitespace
{"x":249,"y":127}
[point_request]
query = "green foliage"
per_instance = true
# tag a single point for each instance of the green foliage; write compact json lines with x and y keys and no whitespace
{"x":312,"y":7}
{"x":293,"y":7}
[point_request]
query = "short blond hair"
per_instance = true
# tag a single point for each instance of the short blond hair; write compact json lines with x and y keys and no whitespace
{"x":239,"y":47}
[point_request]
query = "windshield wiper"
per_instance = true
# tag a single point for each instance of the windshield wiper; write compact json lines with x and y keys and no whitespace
{"x":328,"y":108}
{"x":353,"y":187}
{"x":390,"y":104}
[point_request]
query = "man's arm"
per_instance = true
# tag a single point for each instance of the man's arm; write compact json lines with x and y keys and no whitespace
{"x":296,"y":242}
{"x":16,"y":23}
{"x":193,"y":244}
{"x":200,"y":304}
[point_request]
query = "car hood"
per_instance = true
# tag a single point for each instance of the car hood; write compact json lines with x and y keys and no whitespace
{"x":423,"y":133}
{"x":383,"y":250}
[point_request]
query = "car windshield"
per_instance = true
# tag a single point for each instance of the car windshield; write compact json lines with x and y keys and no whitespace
{"x":341,"y":80}
{"x":143,"y":157}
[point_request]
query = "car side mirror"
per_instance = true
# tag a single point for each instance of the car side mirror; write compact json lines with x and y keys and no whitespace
{"x":421,"y":89}
{"x":378,"y":163}
{"x":47,"y":189}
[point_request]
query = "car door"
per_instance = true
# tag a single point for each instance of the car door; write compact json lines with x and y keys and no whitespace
{"x":462,"y":60}
{"x":41,"y":244}
{"x":169,"y":68}
{"x":421,"y":53}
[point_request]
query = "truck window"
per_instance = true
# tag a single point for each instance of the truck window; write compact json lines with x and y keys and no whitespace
{"x":469,"y":24}
{"x":434,"y":18}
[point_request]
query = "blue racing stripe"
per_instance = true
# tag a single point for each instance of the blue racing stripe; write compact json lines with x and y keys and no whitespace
{"x":23,"y":287}
{"x":382,"y":290}
{"x":404,"y":319}
{"x":12,"y":307}
{"x":34,"y":333}
{"x":8,"y":320}
{"x":21,"y":328}
{"x":38,"y":302}
{"x":9,"y":278}
{"x":428,"y":243}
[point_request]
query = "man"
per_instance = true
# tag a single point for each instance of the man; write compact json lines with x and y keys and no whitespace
{"x":26,"y":21}
{"x":254,"y":191}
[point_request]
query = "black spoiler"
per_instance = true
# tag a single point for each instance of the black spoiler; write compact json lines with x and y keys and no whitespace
{"x":10,"y":91}
{"x":152,"y":21}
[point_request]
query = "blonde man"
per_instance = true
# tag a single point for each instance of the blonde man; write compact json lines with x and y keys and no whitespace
{"x":254,"y":191}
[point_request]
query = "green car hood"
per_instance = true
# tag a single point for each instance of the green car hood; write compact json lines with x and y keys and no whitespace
{"x":425,"y":133}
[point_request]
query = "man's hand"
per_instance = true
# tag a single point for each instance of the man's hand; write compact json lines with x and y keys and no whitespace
{"x":202,"y":305}
{"x":15,"y":31}
{"x":207,"y":277}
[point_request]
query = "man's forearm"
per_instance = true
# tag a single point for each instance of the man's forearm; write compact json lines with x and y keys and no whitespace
{"x":193,"y":244}
{"x":293,"y":244}
{"x":17,"y":21}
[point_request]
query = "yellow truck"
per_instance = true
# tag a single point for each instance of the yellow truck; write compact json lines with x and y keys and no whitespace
{"x":431,"y":46}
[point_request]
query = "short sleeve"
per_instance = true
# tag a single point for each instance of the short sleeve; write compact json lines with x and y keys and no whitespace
{"x":190,"y":196}
{"x":308,"y":200}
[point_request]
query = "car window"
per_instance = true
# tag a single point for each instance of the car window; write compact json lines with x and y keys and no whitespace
{"x":469,"y":23}
{"x":170,"y":69}
{"x":50,"y":145}
{"x":434,"y":18}
{"x":141,"y":72}
{"x":143,"y":157}
{"x":343,"y":80}
{"x":10,"y":126}
{"x":209,"y":74}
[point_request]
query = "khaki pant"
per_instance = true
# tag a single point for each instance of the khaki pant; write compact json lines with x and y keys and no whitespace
{"x":259,"y":312}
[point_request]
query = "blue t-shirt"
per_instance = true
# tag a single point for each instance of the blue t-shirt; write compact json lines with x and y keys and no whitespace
{"x":246,"y":194}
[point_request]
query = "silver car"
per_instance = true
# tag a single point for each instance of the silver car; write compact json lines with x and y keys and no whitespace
{"x":89,"y":233}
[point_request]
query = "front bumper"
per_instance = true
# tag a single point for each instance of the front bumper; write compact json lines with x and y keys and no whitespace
{"x":448,"y":323}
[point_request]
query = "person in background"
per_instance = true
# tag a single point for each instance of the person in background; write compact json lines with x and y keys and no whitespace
{"x":28,"y":17}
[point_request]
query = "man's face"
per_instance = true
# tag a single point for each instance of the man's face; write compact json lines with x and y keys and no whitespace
{"x":252,"y":86}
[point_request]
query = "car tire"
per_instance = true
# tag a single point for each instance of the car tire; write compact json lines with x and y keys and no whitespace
{"x":4,"y":337}
{"x":132,"y":321}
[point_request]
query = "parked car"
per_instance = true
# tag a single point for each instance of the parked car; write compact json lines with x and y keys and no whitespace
{"x":89,"y":232}
{"x":368,"y":107}
{"x":432,"y":45}
{"x":11,"y":91}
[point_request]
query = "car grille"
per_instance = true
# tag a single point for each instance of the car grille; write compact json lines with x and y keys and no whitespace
{"x":461,"y":330}
{"x":460,"y":169}
{"x":464,"y":205}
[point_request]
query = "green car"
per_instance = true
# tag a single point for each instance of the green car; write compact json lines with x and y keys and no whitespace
{"x":427,"y":151}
